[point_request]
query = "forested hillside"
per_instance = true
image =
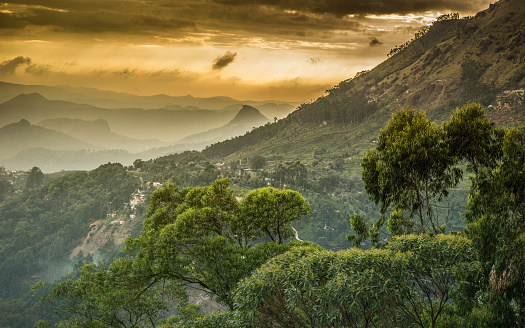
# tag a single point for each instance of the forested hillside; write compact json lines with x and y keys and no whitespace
{"x":42,"y":226}
{"x":242,"y":252}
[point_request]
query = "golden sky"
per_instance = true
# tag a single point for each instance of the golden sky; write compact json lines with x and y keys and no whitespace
{"x":246,"y":49}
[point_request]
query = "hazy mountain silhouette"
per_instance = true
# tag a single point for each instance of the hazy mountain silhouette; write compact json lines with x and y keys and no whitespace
{"x":98,"y":133}
{"x":115,"y":100}
{"x":16,"y":137}
{"x":134,"y":123}
{"x":246,"y":119}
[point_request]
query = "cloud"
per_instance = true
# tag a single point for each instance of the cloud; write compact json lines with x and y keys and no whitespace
{"x":313,"y":60}
{"x":8,"y":20}
{"x":103,"y":20}
{"x":36,"y":69}
{"x":374,"y":42}
{"x":9,"y":67}
{"x":364,"y":7}
{"x":224,"y":60}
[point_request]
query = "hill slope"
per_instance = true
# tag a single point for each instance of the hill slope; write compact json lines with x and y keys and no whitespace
{"x":454,"y":62}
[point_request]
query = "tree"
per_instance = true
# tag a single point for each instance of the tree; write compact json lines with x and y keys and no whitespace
{"x":257,"y":162}
{"x":202,"y":237}
{"x":138,"y":163}
{"x":409,"y":170}
{"x":110,"y":297}
{"x":438,"y":269}
{"x":471,"y":137}
{"x":496,"y":225}
{"x":407,"y":283}
{"x":35,"y":178}
{"x":5,"y":188}
{"x":272,"y":211}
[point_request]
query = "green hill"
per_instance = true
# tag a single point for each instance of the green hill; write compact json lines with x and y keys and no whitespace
{"x":455,"y":61}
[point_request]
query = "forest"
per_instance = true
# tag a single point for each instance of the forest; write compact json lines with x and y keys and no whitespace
{"x":405,"y":266}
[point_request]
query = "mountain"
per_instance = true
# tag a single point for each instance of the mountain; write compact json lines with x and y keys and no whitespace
{"x":136,"y":123}
{"x":16,"y":137}
{"x":98,"y":133}
{"x":455,"y":61}
{"x":109,"y":99}
{"x":248,"y":115}
{"x":246,"y":119}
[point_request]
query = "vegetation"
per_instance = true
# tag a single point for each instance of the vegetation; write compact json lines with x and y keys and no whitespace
{"x":41,"y":226}
{"x":239,"y":252}
{"x":420,"y":266}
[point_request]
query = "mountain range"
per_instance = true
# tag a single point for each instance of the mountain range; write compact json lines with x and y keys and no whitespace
{"x":65,"y":140}
{"x":451,"y":63}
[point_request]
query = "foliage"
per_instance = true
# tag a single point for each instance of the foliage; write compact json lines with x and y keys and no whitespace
{"x":34,"y":179}
{"x":271,"y":211}
{"x":496,"y":223}
{"x":292,"y":175}
{"x":5,"y":188}
{"x":41,"y":226}
{"x":110,"y":297}
{"x":406,"y":283}
{"x":257,"y":162}
{"x":439,"y":267}
{"x":473,"y":138}
{"x":410,"y":169}
{"x":204,"y":238}
{"x":422,"y":32}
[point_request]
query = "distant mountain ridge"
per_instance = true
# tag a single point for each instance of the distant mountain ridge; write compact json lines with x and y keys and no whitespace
{"x":98,"y":133}
{"x":246,"y":119}
{"x":15,"y":137}
{"x":249,"y":115}
{"x":134,"y":123}
{"x":115,"y":100}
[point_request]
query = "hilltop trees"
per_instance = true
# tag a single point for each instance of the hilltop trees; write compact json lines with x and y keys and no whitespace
{"x":35,"y":178}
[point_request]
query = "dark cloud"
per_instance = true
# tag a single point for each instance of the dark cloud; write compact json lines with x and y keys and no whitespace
{"x":313,"y":60}
{"x":36,"y":69}
{"x":362,"y":7}
{"x":374,"y":42}
{"x":224,"y":60}
{"x":103,"y":21}
{"x":9,"y":67}
{"x":223,"y":21}
{"x":11,"y":21}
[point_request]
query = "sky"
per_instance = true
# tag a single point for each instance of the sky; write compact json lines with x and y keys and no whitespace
{"x":287,"y":50}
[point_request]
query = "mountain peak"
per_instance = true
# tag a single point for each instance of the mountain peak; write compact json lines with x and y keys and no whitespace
{"x":249,"y":115}
{"x":29,"y":97}
{"x":23,"y":123}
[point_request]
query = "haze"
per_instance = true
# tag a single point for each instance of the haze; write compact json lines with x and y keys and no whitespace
{"x":251,"y":49}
